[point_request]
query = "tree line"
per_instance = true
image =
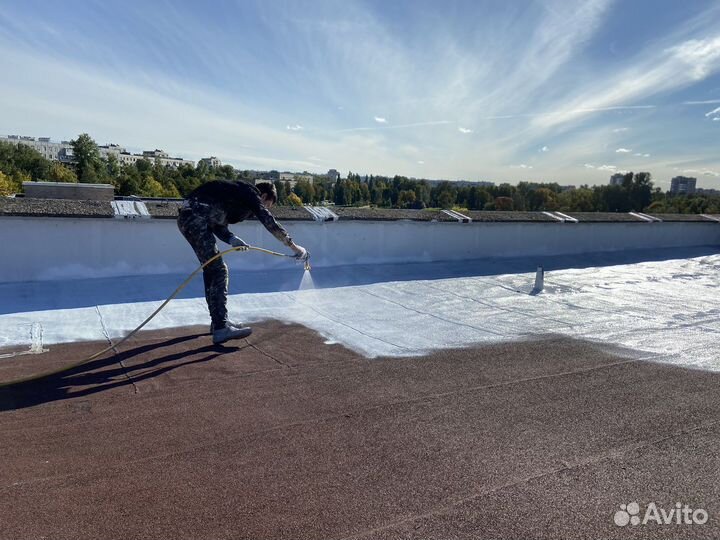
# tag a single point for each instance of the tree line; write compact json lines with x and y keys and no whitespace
{"x":148,"y":178}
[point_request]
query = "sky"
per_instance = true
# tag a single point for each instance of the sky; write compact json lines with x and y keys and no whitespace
{"x":569,"y":91}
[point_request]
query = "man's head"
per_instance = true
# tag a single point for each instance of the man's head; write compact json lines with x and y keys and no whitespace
{"x":268,"y":193}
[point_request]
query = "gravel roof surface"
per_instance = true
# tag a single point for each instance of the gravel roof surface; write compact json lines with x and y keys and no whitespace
{"x":23,"y":206}
{"x":10,"y":206}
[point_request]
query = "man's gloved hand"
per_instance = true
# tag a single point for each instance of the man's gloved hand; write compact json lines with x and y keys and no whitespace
{"x":238,"y":242}
{"x":301,"y":254}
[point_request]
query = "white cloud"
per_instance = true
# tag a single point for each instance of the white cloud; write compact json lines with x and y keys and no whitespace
{"x":589,"y":166}
{"x":544,"y":149}
{"x":641,"y":155}
{"x":380,"y":120}
{"x":700,"y":55}
{"x":620,"y":129}
{"x":714,"y":114}
{"x":623,"y":151}
{"x":675,"y":67}
{"x":521,"y":166}
{"x":421,"y":163}
{"x":296,"y":127}
{"x":706,"y":102}
{"x":396,"y":126}
{"x":607,"y":168}
{"x":701,"y":172}
{"x":464,"y":130}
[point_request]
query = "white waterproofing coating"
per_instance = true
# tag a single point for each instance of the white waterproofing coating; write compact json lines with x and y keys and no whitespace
{"x":51,"y":249}
{"x":665,"y":310}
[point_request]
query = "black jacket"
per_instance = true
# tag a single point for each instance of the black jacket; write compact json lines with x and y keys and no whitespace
{"x":238,"y":201}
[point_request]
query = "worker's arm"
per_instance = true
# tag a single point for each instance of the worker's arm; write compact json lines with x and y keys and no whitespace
{"x":223,"y":233}
{"x":268,"y":221}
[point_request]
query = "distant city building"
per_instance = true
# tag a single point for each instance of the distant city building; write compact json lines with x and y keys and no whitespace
{"x":111,"y":149}
{"x":53,"y":151}
{"x":682,"y":185}
{"x":707,"y":191}
{"x":211,"y":161}
{"x":333,"y":175}
{"x":617,"y":179}
{"x":63,"y":151}
{"x":294,"y":178}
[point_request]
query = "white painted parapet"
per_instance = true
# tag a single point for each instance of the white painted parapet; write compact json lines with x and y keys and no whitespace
{"x":46,"y":248}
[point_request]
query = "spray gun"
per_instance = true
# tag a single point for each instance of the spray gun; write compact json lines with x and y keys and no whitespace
{"x":306,"y":261}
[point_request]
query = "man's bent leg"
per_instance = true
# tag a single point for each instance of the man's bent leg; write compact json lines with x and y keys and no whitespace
{"x":215,"y":276}
{"x":196,"y":230}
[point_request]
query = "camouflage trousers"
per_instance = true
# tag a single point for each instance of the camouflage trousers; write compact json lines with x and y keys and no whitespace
{"x":196,"y":222}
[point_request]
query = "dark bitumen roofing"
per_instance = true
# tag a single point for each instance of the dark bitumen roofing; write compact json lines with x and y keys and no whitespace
{"x":286,"y":436}
{"x":23,"y":206}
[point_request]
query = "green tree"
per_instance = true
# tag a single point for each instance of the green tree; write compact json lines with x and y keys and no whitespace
{"x":88,"y":164}
{"x":305,"y":190}
{"x":59,"y":173}
{"x":294,"y":200}
{"x":446,"y":199}
{"x":7,"y":185}
{"x":503,"y":203}
{"x":151,"y":187}
{"x":281,"y":193}
{"x":406,"y":199}
{"x":542,"y":199}
{"x":17,"y":158}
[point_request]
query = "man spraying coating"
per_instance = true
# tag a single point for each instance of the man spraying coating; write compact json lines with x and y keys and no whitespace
{"x":205,"y":214}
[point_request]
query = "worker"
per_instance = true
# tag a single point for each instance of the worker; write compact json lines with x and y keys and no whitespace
{"x":205,"y":214}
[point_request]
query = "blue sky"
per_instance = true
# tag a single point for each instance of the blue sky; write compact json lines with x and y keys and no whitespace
{"x":568,"y":91}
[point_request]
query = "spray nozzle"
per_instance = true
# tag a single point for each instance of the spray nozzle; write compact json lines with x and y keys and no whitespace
{"x":307,"y":264}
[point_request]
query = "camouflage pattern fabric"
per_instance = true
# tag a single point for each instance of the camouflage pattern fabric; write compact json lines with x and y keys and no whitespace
{"x":196,"y":222}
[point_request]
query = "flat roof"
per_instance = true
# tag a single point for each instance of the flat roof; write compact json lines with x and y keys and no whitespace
{"x":429,"y":401}
{"x":285,"y":436}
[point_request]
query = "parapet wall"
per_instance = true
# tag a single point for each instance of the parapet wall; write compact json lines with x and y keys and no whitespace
{"x":37,"y":247}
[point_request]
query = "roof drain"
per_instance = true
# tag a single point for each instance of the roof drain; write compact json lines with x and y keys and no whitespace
{"x":130,"y":210}
{"x":462,"y":218}
{"x":539,"y":281}
{"x":36,"y":343}
{"x":321,"y":213}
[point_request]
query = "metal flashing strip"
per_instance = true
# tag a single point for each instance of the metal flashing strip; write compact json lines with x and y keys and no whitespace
{"x":642,"y":217}
{"x":550,"y":214}
{"x":567,"y":218}
{"x":462,"y":218}
{"x":711,"y":218}
{"x":648,"y":216}
{"x":130,"y":210}
{"x":321,"y":213}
